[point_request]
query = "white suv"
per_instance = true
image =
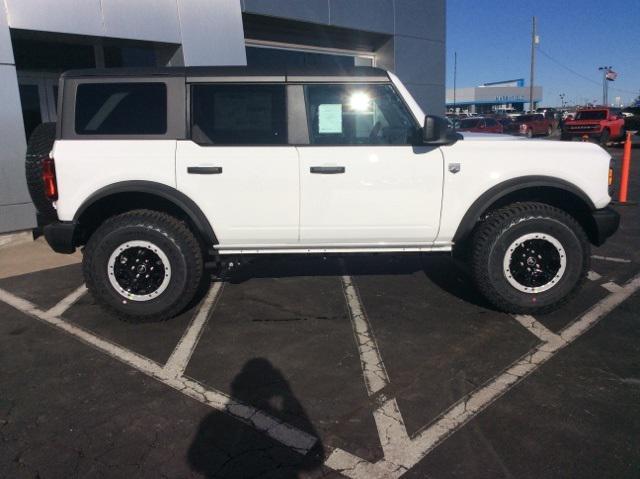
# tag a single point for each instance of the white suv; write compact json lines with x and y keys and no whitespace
{"x":160,"y":172}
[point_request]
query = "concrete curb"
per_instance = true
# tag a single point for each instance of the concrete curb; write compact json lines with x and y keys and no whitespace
{"x":12,"y":239}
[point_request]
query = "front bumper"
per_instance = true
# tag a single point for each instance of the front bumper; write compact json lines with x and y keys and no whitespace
{"x":581,"y":134}
{"x":60,"y":236}
{"x":606,"y":222}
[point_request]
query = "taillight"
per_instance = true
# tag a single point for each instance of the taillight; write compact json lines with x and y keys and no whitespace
{"x":49,"y":179}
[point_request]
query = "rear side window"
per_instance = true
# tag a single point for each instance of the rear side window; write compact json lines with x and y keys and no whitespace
{"x":238,"y":114}
{"x":121,"y":109}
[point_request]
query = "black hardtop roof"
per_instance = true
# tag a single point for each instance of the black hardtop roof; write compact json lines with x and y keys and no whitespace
{"x":365,"y":73}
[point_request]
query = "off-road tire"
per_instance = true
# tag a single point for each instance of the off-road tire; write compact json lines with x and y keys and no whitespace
{"x":605,"y":137}
{"x":172,"y":237}
{"x":38,"y":148}
{"x":496,"y":233}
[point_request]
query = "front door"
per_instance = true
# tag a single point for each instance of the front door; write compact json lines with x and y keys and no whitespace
{"x":362,"y":181}
{"x":238,"y":167}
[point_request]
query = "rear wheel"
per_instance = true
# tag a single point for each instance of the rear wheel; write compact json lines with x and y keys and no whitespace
{"x":143,"y":265}
{"x":529,"y":258}
{"x":529,"y":133}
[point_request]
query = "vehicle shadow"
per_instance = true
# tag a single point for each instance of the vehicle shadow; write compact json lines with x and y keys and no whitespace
{"x":442,"y":270}
{"x":225,"y":447}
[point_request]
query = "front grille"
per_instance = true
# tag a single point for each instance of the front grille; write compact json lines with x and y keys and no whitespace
{"x":582,"y":127}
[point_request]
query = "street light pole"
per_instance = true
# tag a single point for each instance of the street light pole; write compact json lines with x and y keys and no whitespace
{"x":605,"y":86}
{"x":533,"y":63}
{"x":455,"y":77}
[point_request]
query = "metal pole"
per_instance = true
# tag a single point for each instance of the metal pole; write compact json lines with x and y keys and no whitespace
{"x":455,"y":75}
{"x":533,"y":63}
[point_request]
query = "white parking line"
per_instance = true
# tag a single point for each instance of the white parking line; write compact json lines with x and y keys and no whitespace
{"x":177,"y":362}
{"x":288,"y":435}
{"x":373,"y":370}
{"x":401,"y":452}
{"x":536,"y":327}
{"x":612,"y":287}
{"x":610,"y":258}
{"x":67,"y":302}
{"x":593,"y":276}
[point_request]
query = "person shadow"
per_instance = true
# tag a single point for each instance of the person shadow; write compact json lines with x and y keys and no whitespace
{"x":225,"y":447}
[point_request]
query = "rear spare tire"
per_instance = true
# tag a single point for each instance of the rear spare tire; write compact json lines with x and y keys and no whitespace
{"x":39,"y":146}
{"x":529,"y":257}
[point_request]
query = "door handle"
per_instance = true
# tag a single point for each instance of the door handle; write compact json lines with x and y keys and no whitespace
{"x":327,"y":170}
{"x":204,"y":170}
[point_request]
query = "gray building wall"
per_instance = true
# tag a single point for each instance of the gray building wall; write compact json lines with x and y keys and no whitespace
{"x":210,"y":32}
{"x":417,"y":30}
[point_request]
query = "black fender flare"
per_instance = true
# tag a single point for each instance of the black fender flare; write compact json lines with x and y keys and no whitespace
{"x":496,"y":192}
{"x":168,"y":193}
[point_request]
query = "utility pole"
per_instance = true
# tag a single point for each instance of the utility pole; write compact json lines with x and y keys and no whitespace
{"x":605,"y":86}
{"x":534,"y":41}
{"x":455,"y":77}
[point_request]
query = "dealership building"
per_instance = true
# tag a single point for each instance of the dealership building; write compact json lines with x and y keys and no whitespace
{"x":39,"y":39}
{"x":494,"y":96}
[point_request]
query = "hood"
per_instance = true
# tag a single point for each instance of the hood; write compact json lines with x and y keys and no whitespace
{"x":467,"y":135}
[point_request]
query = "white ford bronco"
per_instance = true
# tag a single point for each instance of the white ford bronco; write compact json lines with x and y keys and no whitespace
{"x":159,"y":173}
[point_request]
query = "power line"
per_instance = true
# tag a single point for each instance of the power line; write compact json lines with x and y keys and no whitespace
{"x":584,"y":77}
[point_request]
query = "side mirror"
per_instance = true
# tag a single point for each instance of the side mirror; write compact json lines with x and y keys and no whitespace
{"x":436,"y":131}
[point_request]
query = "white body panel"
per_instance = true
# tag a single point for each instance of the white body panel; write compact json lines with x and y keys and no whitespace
{"x":487,"y":160}
{"x":254,"y":201}
{"x":387,"y":195}
{"x":85,"y":166}
{"x":390,"y":198}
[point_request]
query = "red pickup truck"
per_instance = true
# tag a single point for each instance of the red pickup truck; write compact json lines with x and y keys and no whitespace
{"x":534,"y":124}
{"x":603,"y":124}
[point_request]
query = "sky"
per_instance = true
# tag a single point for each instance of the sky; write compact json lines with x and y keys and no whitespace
{"x":493,"y":42}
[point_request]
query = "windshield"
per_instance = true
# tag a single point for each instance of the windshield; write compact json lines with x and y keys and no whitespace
{"x":592,"y":115}
{"x":471,"y":123}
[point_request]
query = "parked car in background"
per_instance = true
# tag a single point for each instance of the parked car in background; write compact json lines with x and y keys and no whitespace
{"x":534,"y":124}
{"x":508,"y":124}
{"x":600,"y":123}
{"x":480,"y":124}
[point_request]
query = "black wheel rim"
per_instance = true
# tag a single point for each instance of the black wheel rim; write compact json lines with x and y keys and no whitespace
{"x":534,"y":263}
{"x":139,"y":271}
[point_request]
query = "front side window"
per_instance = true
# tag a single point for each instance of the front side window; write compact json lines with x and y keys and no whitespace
{"x":121,"y":109}
{"x":238,"y":114}
{"x":358,"y":114}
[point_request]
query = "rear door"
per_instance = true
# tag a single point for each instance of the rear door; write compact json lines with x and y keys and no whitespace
{"x":237,"y":165}
{"x":363,"y":179}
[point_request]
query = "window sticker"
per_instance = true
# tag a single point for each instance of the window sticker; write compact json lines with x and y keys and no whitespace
{"x":330,"y":118}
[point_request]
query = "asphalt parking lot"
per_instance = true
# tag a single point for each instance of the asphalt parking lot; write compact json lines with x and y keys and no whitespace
{"x":371,"y":366}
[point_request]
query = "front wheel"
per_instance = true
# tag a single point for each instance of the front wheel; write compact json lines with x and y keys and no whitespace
{"x":605,"y":137}
{"x":143,"y":265}
{"x":529,"y":258}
